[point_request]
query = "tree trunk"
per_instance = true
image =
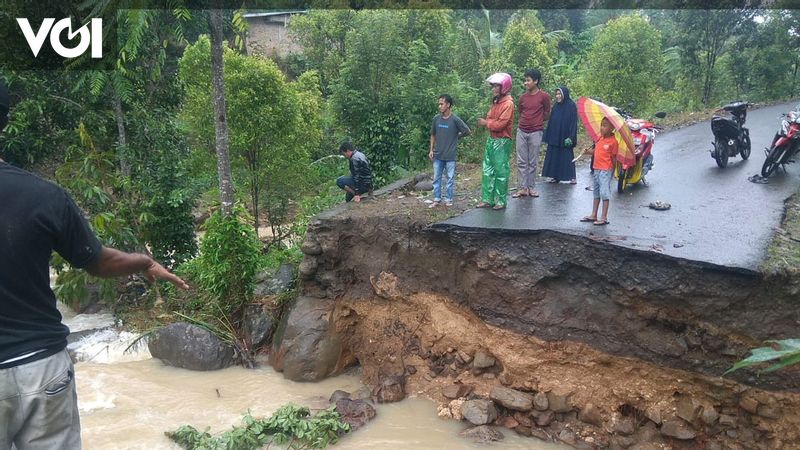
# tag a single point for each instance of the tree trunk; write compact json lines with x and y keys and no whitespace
{"x":220,"y":118}
{"x":255,"y":192}
{"x":124,"y":164}
{"x":794,"y":76}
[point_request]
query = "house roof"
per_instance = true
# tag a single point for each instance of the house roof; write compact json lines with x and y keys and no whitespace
{"x":275,"y":13}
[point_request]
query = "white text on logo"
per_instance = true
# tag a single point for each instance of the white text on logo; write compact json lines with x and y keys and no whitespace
{"x":49,"y":26}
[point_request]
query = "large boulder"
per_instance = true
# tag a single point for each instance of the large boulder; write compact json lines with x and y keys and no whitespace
{"x":479,"y":412}
{"x":511,"y":399}
{"x":258,"y":324}
{"x":190,"y":347}
{"x":305,"y":346}
{"x":283,"y":280}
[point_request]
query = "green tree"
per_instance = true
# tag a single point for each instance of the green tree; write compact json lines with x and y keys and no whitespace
{"x":365,"y":95}
{"x":268,"y":121}
{"x":322,"y":33}
{"x":45,"y":115}
{"x":385,"y":95}
{"x":144,"y":36}
{"x":703,"y":34}
{"x":791,"y":20}
{"x":162,"y":188}
{"x":523,"y":47}
{"x":623,"y":62}
{"x":774,"y":64}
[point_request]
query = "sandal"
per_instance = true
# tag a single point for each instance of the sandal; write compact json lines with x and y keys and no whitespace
{"x":519,"y":194}
{"x":600,"y":222}
{"x":498,"y":207}
{"x":483,"y":205}
{"x":589,"y":219}
{"x":533,"y":194}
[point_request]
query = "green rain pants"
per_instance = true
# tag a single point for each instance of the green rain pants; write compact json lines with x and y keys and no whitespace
{"x":494,"y":182}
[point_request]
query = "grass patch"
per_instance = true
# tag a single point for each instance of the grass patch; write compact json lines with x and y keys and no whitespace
{"x":783,"y":253}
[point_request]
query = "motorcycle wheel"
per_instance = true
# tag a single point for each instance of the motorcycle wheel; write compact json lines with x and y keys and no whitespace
{"x":772,"y":162}
{"x":721,"y":153}
{"x":622,"y":178}
{"x":746,"y":149}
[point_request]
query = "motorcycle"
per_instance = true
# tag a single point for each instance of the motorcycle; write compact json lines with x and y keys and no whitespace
{"x":731,"y":137}
{"x":785,"y":144}
{"x":644,"y":135}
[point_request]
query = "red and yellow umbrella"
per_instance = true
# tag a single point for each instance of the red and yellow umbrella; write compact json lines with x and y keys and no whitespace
{"x":592,"y":113}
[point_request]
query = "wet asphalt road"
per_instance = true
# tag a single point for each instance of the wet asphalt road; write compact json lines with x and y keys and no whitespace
{"x":717,"y":215}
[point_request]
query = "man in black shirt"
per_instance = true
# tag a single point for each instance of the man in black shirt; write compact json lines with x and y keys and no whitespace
{"x":360,"y":180}
{"x":38,"y":401}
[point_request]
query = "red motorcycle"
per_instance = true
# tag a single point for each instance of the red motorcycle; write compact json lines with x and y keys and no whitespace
{"x":644,"y":135}
{"x":785,"y":144}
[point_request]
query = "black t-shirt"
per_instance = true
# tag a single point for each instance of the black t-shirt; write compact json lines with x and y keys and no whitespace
{"x":36,"y":217}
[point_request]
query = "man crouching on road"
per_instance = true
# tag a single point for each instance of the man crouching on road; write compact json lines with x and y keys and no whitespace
{"x":360,"y":180}
{"x":38,"y":401}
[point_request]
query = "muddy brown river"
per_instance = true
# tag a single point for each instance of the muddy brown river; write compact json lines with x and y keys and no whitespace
{"x":128,"y":400}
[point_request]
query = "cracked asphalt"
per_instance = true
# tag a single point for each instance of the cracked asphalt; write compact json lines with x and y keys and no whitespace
{"x":716,"y":216}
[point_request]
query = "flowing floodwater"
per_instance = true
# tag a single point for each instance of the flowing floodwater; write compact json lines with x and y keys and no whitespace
{"x":127,"y":400}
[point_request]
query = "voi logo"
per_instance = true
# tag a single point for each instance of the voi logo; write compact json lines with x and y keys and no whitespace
{"x":88,"y":37}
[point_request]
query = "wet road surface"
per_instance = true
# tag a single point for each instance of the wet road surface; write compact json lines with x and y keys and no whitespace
{"x":717,"y":215}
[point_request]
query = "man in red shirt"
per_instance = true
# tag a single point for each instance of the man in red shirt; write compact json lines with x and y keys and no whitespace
{"x":605,"y":150}
{"x":534,"y":109}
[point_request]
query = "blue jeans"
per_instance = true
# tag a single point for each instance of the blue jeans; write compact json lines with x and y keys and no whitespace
{"x":438,"y":167}
{"x":602,"y":183}
{"x":346,"y":181}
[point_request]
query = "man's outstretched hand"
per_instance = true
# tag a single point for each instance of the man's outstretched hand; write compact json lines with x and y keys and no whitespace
{"x":157,"y":272}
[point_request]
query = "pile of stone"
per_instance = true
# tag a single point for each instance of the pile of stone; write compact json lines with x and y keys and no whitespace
{"x":553,"y":416}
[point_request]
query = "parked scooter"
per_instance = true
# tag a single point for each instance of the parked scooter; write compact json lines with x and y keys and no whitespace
{"x":644,"y":135}
{"x":731,"y":137}
{"x":785,"y":144}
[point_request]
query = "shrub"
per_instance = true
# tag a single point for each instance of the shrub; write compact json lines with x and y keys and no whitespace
{"x":229,"y":258}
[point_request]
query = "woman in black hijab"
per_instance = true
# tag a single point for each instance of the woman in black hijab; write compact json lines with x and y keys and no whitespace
{"x":561,"y":136}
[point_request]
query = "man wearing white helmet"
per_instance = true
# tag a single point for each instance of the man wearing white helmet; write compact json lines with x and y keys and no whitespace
{"x":499,"y":121}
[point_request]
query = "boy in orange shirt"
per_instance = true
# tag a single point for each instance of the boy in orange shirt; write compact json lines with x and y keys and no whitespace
{"x":605,"y":150}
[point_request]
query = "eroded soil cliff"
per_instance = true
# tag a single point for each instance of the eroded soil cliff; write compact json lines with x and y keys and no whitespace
{"x":626,"y":345}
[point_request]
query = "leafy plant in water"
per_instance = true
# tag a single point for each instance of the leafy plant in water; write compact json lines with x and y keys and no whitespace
{"x":290,"y":425}
{"x":786,"y":352}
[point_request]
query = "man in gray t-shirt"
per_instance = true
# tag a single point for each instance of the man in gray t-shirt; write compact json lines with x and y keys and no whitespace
{"x":446,"y":129}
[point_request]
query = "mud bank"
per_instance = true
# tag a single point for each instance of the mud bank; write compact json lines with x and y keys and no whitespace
{"x":629,"y":344}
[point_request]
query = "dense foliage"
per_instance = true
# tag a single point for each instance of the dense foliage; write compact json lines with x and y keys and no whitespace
{"x":623,"y":61}
{"x":138,"y":148}
{"x":273,"y":124}
{"x":290,"y":425}
{"x":383,"y":94}
{"x":226,"y":268}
